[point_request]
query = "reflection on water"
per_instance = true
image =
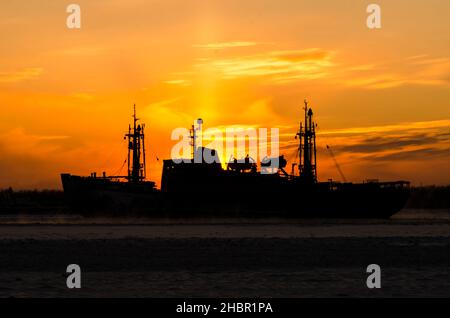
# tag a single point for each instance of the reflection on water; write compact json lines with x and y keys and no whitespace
{"x":412,"y":223}
{"x":411,"y":214}
{"x":407,"y":215}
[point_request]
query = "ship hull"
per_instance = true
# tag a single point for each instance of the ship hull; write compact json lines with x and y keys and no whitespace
{"x":354,"y":203}
{"x":234,"y":195}
{"x":97,"y":196}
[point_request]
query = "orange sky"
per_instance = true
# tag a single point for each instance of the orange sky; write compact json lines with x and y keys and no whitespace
{"x":381,"y":97}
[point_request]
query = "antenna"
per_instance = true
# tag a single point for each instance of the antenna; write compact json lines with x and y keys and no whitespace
{"x":136,"y":150}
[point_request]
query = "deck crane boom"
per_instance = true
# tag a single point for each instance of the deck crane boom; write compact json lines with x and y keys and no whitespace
{"x":336,"y":163}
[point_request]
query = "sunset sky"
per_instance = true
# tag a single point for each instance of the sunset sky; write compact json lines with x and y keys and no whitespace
{"x":381,"y":97}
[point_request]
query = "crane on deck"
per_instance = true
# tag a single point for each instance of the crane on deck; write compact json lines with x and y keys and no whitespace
{"x":336,"y":163}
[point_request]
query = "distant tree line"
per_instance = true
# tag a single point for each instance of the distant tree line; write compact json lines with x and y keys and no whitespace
{"x":32,"y":201}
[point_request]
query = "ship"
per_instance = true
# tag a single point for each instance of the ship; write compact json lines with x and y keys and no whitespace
{"x":241,"y":189}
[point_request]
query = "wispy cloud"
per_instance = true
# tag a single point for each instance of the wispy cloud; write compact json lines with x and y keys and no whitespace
{"x":170,"y":110}
{"x":389,"y":152}
{"x":225,"y":45}
{"x":414,"y":70}
{"x":413,"y":154}
{"x":21,"y":75}
{"x":287,"y":66}
{"x":383,"y":143}
{"x":407,"y":126}
{"x":415,"y":141}
{"x":280,"y":65}
{"x":181,"y":82}
{"x":32,"y":143}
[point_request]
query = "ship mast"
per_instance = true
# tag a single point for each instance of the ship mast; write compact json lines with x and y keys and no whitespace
{"x":136,"y":151}
{"x":196,"y":139}
{"x":307,"y":147}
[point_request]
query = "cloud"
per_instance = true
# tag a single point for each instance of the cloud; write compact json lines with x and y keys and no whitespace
{"x":406,"y":143}
{"x":392,"y":81}
{"x":181,"y":82}
{"x":408,"y":126}
{"x":383,"y":143}
{"x":313,"y":54}
{"x":288,"y":66}
{"x":39,"y":145}
{"x":368,"y":143}
{"x":164,"y":103}
{"x":225,"y":45}
{"x":34,"y":160}
{"x":415,"y":151}
{"x":279,"y":65}
{"x":416,"y":154}
{"x":25,"y":171}
{"x":414,"y":70}
{"x":172,"y":110}
{"x":19,"y":76}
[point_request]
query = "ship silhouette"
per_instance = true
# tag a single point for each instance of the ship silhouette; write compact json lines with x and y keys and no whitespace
{"x":192,"y":188}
